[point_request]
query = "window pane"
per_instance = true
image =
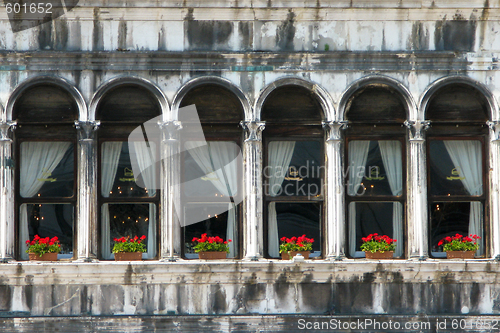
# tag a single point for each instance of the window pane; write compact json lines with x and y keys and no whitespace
{"x":47,"y":220}
{"x":456,"y":167}
{"x":47,"y":169}
{"x":214,"y":220}
{"x":450,"y":218}
{"x":375,"y":168}
{"x":293,"y":219}
{"x":294,"y":169}
{"x":117,"y":177}
{"x":383,"y":218}
{"x":128,"y":219}
{"x":211,"y":169}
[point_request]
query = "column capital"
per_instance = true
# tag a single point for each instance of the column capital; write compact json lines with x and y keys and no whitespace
{"x":6,"y":130}
{"x":333,"y":129}
{"x":86,"y":128}
{"x":170,"y":129}
{"x":495,"y":130}
{"x":417,"y":129}
{"x":253,"y":130}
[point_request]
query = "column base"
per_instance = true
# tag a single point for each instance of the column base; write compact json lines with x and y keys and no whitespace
{"x":7,"y":260}
{"x":86,"y":260}
{"x":418,"y":258}
{"x":253,"y":258}
{"x":171,"y":259}
{"x":335,"y":257}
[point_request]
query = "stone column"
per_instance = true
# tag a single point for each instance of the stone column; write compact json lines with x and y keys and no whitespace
{"x":86,"y":206}
{"x":170,"y":228}
{"x":253,"y":223}
{"x":494,"y":173}
{"x":7,"y":232}
{"x":334,"y":196}
{"x":417,"y":191}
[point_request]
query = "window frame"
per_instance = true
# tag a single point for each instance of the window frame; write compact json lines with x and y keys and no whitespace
{"x":39,"y":132}
{"x":213,"y":132}
{"x":280,"y":132}
{"x":445,"y":131}
{"x":359,"y":131}
{"x":119,"y":132}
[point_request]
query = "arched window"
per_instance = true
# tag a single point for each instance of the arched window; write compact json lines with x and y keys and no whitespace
{"x":375,"y":172}
{"x":212,"y":187}
{"x":294,"y":167}
{"x":45,"y":178}
{"x":127,"y":209}
{"x":456,"y":163}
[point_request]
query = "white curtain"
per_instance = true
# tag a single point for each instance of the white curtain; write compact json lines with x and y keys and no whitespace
{"x":279,"y":157}
{"x":37,"y":159}
{"x":151,"y":246}
{"x":146,"y":162}
{"x":392,"y":159}
{"x":231,"y":232}
{"x":358,"y":154}
{"x":110,"y":156}
{"x":23,"y":230}
{"x":218,"y":160}
{"x":466,"y":156}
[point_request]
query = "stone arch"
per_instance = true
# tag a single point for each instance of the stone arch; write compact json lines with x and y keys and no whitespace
{"x":375,"y":80}
{"x":205,"y":80}
{"x":435,"y":86}
{"x":48,"y":80}
{"x":321,"y":94}
{"x":129,"y":80}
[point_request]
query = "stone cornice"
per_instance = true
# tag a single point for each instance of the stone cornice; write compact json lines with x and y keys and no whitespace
{"x":47,"y":61}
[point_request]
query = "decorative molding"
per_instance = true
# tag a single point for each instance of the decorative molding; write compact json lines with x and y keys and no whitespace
{"x":6,"y":130}
{"x":333,"y":129}
{"x":495,"y":129}
{"x":86,"y":129}
{"x":417,"y":129}
{"x":253,"y":130}
{"x":170,"y":130}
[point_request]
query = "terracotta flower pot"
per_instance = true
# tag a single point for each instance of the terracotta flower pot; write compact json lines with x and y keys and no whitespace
{"x":44,"y":257}
{"x":460,"y":254}
{"x":379,"y":255}
{"x":291,"y":254}
{"x":128,"y":256}
{"x":210,"y":255}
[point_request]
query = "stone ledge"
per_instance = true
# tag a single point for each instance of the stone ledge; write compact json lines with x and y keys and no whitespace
{"x":264,"y":271}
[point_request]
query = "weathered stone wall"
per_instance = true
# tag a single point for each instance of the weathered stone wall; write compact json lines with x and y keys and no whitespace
{"x":337,"y":288}
{"x":417,"y":25}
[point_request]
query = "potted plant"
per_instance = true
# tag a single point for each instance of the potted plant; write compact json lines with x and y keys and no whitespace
{"x":378,"y":246}
{"x":43,"y":249}
{"x":459,"y":246}
{"x":211,"y":247}
{"x":290,"y":247}
{"x":127,"y":248}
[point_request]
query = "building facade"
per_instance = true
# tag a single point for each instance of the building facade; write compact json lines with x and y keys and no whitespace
{"x":382,"y":115}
